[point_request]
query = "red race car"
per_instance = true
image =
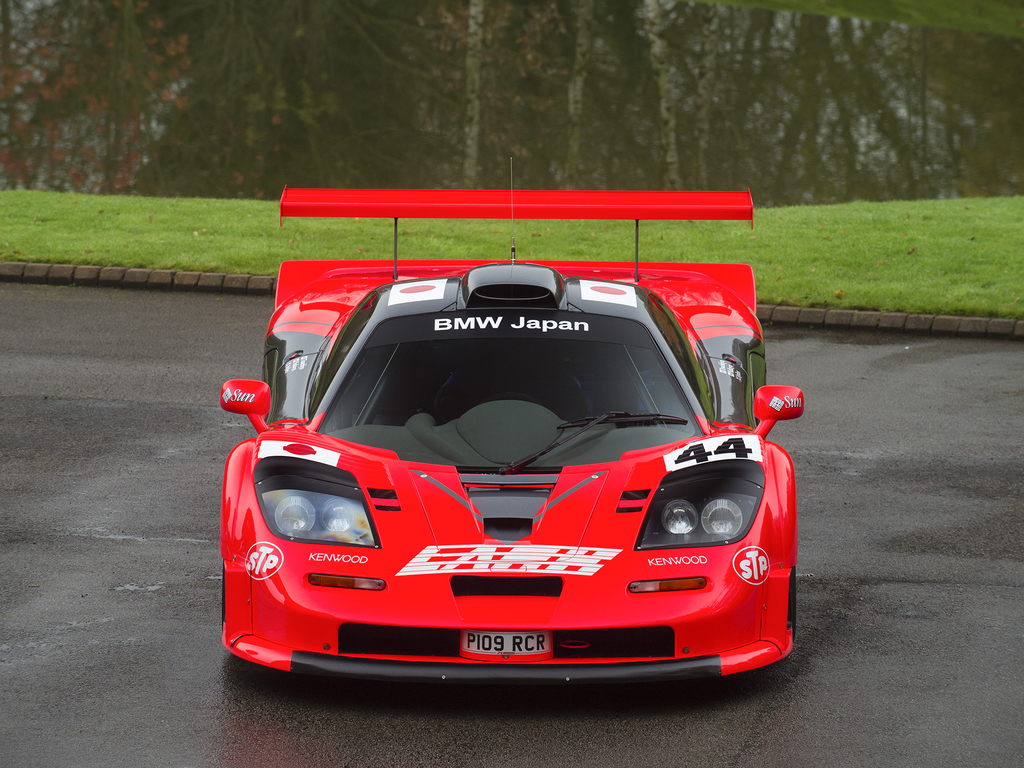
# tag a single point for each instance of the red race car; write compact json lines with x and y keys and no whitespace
{"x":502,"y":472}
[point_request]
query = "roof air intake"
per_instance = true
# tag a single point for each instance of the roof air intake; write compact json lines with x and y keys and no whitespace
{"x":513,"y":285}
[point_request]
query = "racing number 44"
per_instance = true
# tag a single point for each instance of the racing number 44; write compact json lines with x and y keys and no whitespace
{"x":715,"y":449}
{"x":698,"y":453}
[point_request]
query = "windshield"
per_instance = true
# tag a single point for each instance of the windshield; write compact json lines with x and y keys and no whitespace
{"x":480,"y":390}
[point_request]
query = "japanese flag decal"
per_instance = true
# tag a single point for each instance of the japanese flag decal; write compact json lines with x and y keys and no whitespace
{"x":715,"y":449}
{"x":424,"y":290}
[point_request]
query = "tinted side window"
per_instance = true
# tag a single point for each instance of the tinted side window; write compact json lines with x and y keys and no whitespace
{"x":346,"y":340}
{"x":695,"y":365}
{"x":287,"y":366}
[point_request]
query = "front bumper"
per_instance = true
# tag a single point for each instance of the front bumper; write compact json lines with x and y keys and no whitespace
{"x":523,"y":674}
{"x":273,"y":655}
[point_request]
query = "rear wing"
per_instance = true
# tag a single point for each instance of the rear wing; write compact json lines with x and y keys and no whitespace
{"x":526,"y":204}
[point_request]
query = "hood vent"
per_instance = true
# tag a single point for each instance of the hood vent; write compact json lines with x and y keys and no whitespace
{"x":508,"y":512}
{"x":503,"y":586}
{"x":633,"y":501}
{"x":513,"y":285}
{"x":384,"y":499}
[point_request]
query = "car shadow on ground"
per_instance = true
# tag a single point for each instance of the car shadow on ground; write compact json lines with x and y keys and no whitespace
{"x":246,"y":682}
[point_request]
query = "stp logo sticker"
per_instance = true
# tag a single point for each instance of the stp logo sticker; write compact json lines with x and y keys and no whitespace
{"x":751,"y":565}
{"x":264,"y":560}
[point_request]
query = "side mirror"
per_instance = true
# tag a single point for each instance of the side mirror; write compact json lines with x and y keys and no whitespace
{"x":776,"y":403}
{"x":248,"y":397}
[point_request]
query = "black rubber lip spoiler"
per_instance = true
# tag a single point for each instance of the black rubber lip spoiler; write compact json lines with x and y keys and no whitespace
{"x":514,"y":674}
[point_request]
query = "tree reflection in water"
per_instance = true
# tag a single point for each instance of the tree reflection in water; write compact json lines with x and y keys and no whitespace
{"x":236,"y":99}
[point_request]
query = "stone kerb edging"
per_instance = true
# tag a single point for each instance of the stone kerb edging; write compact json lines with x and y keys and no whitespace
{"x":898,"y":322}
{"x":261,"y":285}
{"x":141,"y":279}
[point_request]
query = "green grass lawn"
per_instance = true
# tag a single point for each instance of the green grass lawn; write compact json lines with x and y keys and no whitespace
{"x":960,"y":257}
{"x":993,"y":17}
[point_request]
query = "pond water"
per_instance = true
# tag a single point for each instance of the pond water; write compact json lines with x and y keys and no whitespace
{"x":237,"y":99}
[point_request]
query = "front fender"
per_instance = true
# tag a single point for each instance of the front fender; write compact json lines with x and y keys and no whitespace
{"x":236,"y":473}
{"x":780,"y":466}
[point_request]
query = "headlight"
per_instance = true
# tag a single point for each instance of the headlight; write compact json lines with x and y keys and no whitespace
{"x":722,"y":517}
{"x":294,"y":513}
{"x":727,"y":493}
{"x":344,"y":518}
{"x":313,"y":503}
{"x":679,"y":516}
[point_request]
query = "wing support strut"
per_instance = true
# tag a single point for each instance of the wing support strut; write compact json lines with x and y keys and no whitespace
{"x":636,"y":252}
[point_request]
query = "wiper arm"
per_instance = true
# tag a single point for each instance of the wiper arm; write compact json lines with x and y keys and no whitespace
{"x":618,"y":417}
{"x":584,"y":424}
{"x":514,"y":466}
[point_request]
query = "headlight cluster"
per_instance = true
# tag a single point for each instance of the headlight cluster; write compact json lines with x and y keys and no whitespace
{"x":704,"y":506}
{"x":313,"y":506}
{"x":720,"y":516}
{"x":301,"y":514}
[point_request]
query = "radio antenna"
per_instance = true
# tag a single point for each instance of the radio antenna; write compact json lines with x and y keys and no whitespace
{"x":512,"y":207}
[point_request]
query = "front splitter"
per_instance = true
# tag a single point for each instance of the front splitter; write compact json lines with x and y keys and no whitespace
{"x":521,"y":674}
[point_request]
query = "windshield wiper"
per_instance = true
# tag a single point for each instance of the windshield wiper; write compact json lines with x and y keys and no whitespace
{"x":618,"y":417}
{"x":611,"y":417}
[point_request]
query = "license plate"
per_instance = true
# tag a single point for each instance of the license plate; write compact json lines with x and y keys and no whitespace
{"x":505,"y":645}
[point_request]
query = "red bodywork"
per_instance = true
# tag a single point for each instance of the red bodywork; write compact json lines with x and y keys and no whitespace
{"x":742,"y":618}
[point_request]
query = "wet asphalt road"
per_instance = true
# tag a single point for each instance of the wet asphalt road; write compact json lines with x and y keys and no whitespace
{"x":910,"y":647}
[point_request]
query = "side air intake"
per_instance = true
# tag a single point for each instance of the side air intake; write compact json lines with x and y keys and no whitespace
{"x":513,"y":285}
